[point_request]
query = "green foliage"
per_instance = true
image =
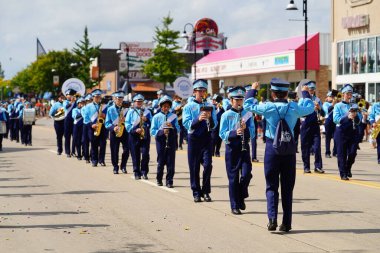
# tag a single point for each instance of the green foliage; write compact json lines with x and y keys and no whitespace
{"x":262,"y":93}
{"x":166,"y":64}
{"x":84,"y":52}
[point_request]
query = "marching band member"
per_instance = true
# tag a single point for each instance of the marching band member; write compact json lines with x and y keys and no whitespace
{"x":177,"y":108}
{"x":236,"y":129}
{"x":328,"y":108}
{"x":26,"y":128}
{"x":3,"y":120}
{"x":155,"y":103}
{"x":277,"y":167}
{"x":199,"y":119}
{"x":216,"y":140}
{"x":94,"y":119}
{"x":86,"y":129}
{"x":253,"y":140}
{"x":5,"y":107}
{"x":11,"y":113}
{"x":57,"y":113}
{"x":78,"y":127}
{"x":20,"y":109}
{"x":137,"y":123}
{"x":346,"y":132}
{"x":68,"y":105}
{"x":16,"y":122}
{"x":165,"y":128}
{"x":115,"y":123}
{"x":310,"y":131}
{"x":226,"y":101}
{"x":374,"y":119}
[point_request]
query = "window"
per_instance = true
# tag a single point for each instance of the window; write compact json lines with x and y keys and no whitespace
{"x":371,"y":54}
{"x":340,"y":58}
{"x":371,"y":93}
{"x":377,"y":92}
{"x":363,"y":56}
{"x":355,"y":57}
{"x":347,"y":57}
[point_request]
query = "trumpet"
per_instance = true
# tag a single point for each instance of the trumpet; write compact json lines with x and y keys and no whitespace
{"x":241,"y":126}
{"x":362,"y":105}
{"x":141,"y":125}
{"x":121,"y":125}
{"x":99,"y":123}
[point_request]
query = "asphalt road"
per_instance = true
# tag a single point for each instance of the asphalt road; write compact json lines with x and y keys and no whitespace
{"x":51,"y":203}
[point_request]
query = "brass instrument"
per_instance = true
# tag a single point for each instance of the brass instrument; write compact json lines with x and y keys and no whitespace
{"x":141,"y":125}
{"x":241,"y":126}
{"x":167,"y":126}
{"x":100,"y":122}
{"x":376,"y":130}
{"x":59,"y":115}
{"x":362,"y":105}
{"x":207,"y":109}
{"x":121,"y":125}
{"x":339,"y":96}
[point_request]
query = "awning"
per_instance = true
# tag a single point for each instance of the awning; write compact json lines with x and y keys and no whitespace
{"x":145,"y":87}
{"x":273,"y":56}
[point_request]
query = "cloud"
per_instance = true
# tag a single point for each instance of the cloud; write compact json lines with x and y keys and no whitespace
{"x":60,"y":23}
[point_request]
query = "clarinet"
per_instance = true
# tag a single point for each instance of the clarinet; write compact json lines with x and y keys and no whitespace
{"x":241,"y":124}
{"x":166,"y":134}
{"x":207,"y":120}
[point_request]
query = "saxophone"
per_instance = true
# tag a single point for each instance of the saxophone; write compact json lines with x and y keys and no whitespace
{"x":121,"y":125}
{"x":141,"y":125}
{"x":241,"y":126}
{"x":99,"y":123}
{"x":376,"y":130}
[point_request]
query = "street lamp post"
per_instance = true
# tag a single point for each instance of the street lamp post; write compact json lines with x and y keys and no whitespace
{"x":291,"y":6}
{"x":184,"y":35}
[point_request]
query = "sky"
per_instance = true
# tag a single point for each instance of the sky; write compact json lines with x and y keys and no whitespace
{"x":58,"y":24}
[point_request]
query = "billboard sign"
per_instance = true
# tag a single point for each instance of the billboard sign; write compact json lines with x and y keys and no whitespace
{"x":134,"y":54}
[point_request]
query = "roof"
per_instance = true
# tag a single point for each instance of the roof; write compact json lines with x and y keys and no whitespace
{"x":145,"y":87}
{"x":270,"y":47}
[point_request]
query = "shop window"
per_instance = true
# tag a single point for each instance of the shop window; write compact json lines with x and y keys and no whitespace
{"x":377,"y":92}
{"x":378,"y":54}
{"x":347,"y":57}
{"x":371,"y":93}
{"x":340,"y":58}
{"x":355,"y":57}
{"x":363,"y":56}
{"x":371,"y":54}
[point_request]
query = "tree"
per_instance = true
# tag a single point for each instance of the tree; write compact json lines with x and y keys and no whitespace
{"x":166,"y":64}
{"x":84,"y":54}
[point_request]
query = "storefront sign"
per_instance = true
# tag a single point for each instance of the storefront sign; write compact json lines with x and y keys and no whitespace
{"x":138,"y":52}
{"x":355,"y":21}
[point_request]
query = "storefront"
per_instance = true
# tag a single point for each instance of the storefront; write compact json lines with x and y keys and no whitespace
{"x":282,"y":58}
{"x":356,"y":46}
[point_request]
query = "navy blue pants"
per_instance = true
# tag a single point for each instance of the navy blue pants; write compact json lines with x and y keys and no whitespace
{"x":166,"y":156}
{"x":139,"y":153}
{"x":68,"y":126}
{"x":1,"y":141}
{"x":59,"y":130}
{"x":329,"y":134}
{"x":347,"y":145}
{"x":15,"y":130}
{"x":199,"y":151}
{"x":27,"y":134}
{"x":311,"y":140}
{"x":182,"y":134}
{"x":86,"y":141}
{"x":216,"y":142}
{"x":21,"y":129}
{"x":77,"y":139}
{"x":98,"y":145}
{"x":115,"y":146}
{"x":378,"y":148}
{"x":239,"y":168}
{"x":279,"y":169}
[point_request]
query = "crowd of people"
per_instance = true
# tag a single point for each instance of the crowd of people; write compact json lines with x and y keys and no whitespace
{"x":87,"y":122}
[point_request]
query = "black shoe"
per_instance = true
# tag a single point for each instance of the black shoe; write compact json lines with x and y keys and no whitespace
{"x":137,"y":177}
{"x":358,"y":147}
{"x":334,"y":155}
{"x":169,"y":185}
{"x":59,"y":153}
{"x":284,"y":228}
{"x":79,"y":158}
{"x":272,"y":225}
{"x":68,"y":156}
{"x":319,"y":170}
{"x":115,"y":172}
{"x":242,"y":205}
{"x":207,"y":197}
{"x":197,"y":199}
{"x":345,"y":178}
{"x":159,"y":183}
{"x":307,"y":171}
{"x":73,"y":155}
{"x":217,"y":155}
{"x":102,"y":164}
{"x":328,"y":156}
{"x":255,"y":160}
{"x":181,"y":148}
{"x":94,"y":165}
{"x":145,"y":177}
{"x":235,"y":211}
{"x":87,"y":161}
{"x":124,"y":170}
{"x":349,"y":174}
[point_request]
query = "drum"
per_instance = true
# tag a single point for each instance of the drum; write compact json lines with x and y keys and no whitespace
{"x":3,"y":127}
{"x":29,"y":116}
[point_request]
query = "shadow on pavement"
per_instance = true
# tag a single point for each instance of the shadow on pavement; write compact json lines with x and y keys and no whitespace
{"x":15,"y":178}
{"x":144,"y":248}
{"x":349,"y":231}
{"x":29,"y":195}
{"x":310,"y":213}
{"x":55,"y":226}
{"x":11,"y":150}
{"x":22,"y":186}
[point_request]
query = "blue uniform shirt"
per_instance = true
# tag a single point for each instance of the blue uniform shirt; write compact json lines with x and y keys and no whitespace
{"x":112,"y":118}
{"x":132,"y":119}
{"x":90,"y":114}
{"x":230,"y":122}
{"x":341,"y":113}
{"x":159,"y":119}
{"x":175,"y":105}
{"x":190,"y":117}
{"x":374,"y":115}
{"x":56,"y":106}
{"x":271,"y":115}
{"x":3,"y":116}
{"x":77,"y":116}
{"x":226,"y":104}
{"x":311,"y":118}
